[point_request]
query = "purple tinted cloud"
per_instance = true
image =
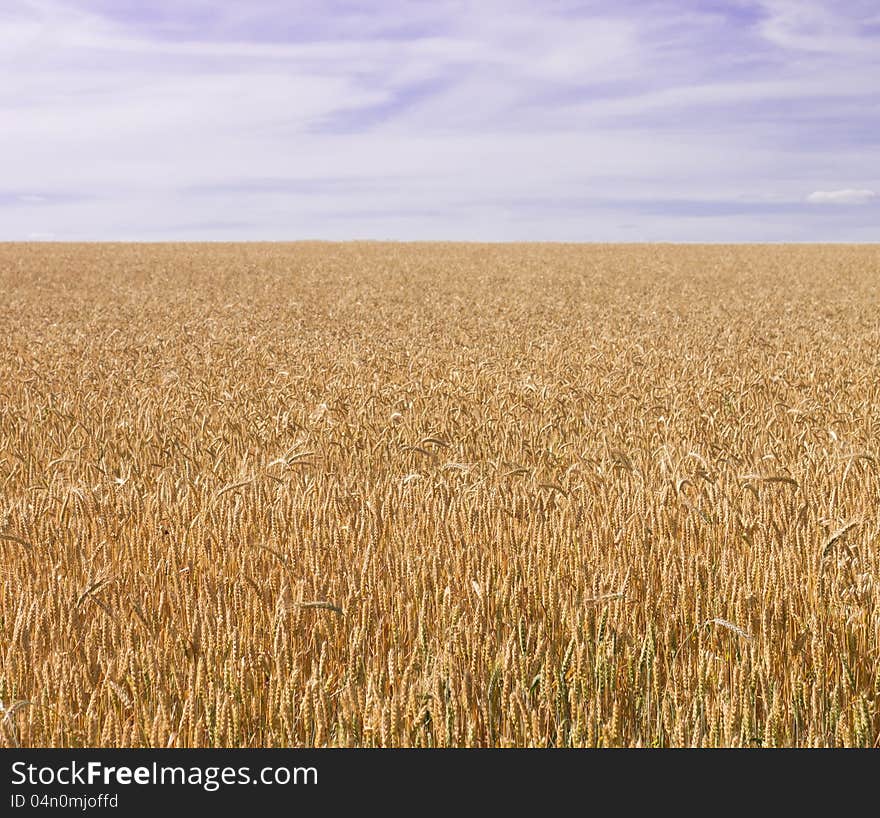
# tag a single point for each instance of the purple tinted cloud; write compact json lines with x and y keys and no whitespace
{"x":361,"y":118}
{"x":565,"y":119}
{"x":34,"y":198}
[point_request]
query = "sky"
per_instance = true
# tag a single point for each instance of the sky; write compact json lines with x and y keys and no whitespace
{"x":559,"y":120}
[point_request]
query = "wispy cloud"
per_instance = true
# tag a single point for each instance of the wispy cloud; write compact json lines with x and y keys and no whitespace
{"x":837,"y":29}
{"x":39,"y":199}
{"x":449,"y":119}
{"x":846,"y":196}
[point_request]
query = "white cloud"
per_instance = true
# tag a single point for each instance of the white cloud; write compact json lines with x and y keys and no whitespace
{"x":818,"y":27}
{"x":847,"y":196}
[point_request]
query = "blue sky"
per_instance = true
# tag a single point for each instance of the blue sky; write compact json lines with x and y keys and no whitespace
{"x":744,"y":120}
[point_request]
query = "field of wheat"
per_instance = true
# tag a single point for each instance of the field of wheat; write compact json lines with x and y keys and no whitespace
{"x":439,"y":495}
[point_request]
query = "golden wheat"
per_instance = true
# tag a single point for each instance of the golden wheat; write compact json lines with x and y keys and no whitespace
{"x":439,"y":495}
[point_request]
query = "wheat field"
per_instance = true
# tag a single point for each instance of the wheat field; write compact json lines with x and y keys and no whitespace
{"x":382,"y":494}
